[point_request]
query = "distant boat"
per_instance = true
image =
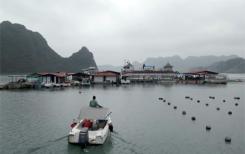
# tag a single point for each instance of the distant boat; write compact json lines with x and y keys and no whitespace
{"x":125,"y":81}
{"x":85,"y":82}
{"x":65,"y":84}
{"x":75,"y":83}
{"x":56,"y":85}
{"x":92,"y":126}
{"x":218,"y":79}
{"x":48,"y":85}
{"x":2,"y":85}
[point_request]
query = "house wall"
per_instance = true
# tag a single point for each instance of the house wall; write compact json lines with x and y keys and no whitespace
{"x":33,"y":79}
{"x":56,"y":80}
{"x":98,"y":79}
{"x":101,"y":79}
{"x":111,"y":79}
{"x":46,"y":79}
{"x":69,"y":78}
{"x":155,"y":76}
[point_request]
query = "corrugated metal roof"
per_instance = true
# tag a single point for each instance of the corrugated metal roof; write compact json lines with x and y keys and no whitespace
{"x":80,"y":74}
{"x":107,"y":73}
{"x":58,"y":74}
{"x":204,"y":72}
{"x":148,"y":71}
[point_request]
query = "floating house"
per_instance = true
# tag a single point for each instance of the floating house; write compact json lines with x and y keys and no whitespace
{"x":90,"y":70}
{"x":169,"y":75}
{"x":213,"y":77}
{"x":80,"y":76}
{"x":106,"y":77}
{"x":16,"y":78}
{"x":81,"y":79}
{"x":17,"y":82}
{"x":204,"y":76}
{"x":57,"y":77}
{"x":149,"y":74}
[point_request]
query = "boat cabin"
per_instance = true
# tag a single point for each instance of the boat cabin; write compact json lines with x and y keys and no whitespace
{"x":93,"y":118}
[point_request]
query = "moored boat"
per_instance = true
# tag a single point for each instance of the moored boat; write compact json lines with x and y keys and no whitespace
{"x":65,"y":84}
{"x":125,"y":81}
{"x":48,"y":85}
{"x":85,"y":82}
{"x":218,"y":79}
{"x":56,"y":85}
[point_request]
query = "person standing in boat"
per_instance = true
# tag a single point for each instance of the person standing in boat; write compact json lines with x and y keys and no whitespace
{"x":94,"y":103}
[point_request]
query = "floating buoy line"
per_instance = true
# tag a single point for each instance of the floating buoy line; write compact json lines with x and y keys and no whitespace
{"x":227,"y":139}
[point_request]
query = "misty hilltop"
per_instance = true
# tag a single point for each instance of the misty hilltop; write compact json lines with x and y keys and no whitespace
{"x":184,"y":65}
{"x":25,"y":51}
{"x":235,"y":65}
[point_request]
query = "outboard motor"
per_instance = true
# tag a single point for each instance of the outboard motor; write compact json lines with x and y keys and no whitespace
{"x":83,"y":136}
{"x":111,"y":127}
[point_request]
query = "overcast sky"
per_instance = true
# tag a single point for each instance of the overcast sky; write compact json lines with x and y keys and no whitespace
{"x":115,"y":30}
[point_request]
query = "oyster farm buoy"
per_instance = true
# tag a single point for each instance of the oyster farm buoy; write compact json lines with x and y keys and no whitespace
{"x":193,"y":118}
{"x":184,"y":112}
{"x":227,"y":140}
{"x":208,"y":128}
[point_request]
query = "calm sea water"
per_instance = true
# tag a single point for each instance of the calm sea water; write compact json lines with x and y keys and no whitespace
{"x":37,"y":121}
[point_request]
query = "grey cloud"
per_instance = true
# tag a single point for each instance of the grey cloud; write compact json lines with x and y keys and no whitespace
{"x":115,"y":30}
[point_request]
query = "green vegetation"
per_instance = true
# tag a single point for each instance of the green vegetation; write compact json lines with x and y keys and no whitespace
{"x":25,"y":51}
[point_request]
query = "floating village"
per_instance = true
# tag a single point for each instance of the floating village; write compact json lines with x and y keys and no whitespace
{"x":84,"y":131}
{"x":128,"y":75}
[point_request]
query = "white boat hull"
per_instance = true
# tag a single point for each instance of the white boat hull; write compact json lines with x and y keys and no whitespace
{"x":94,"y":136}
{"x":48,"y":85}
{"x":214,"y":81}
{"x":65,"y":84}
{"x":125,"y":81}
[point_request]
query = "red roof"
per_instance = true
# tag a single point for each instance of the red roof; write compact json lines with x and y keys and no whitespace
{"x":148,"y":71}
{"x":58,"y":74}
{"x":204,"y":72}
{"x":107,"y":73}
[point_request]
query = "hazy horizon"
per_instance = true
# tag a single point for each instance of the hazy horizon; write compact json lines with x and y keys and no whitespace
{"x":115,"y":30}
